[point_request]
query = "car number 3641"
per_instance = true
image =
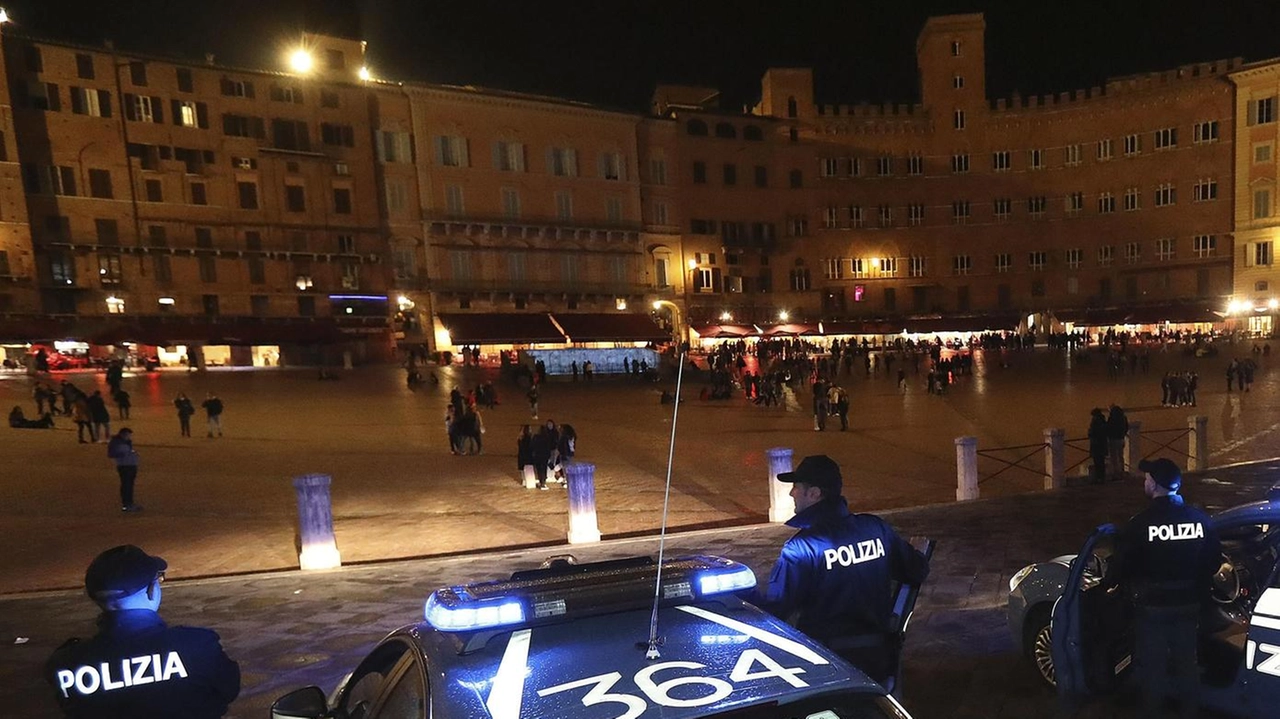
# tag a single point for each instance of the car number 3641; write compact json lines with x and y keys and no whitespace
{"x":751,"y":665}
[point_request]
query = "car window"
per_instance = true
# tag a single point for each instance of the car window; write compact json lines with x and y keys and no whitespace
{"x":407,"y":697}
{"x":366,"y":682}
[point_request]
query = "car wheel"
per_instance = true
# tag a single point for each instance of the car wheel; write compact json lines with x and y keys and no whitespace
{"x":1037,"y":642}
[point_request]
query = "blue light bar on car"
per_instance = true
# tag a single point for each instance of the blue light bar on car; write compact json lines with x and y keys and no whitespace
{"x":460,"y":613}
{"x":732,"y":578}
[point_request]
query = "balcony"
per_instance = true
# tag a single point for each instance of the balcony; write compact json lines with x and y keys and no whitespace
{"x":577,"y":287}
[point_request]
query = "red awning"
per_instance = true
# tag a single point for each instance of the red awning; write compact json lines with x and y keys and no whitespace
{"x":976,"y":323}
{"x":610,"y":327}
{"x":1176,"y":312}
{"x":724,"y":331}
{"x":790,"y":330}
{"x":496,"y":328}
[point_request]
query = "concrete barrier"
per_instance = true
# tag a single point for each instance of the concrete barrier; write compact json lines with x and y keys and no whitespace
{"x":966,"y":468}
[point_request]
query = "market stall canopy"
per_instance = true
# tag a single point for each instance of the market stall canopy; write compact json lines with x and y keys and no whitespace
{"x":1176,"y":312}
{"x":835,"y":328}
{"x":974,"y":323}
{"x":493,"y":328}
{"x":790,"y":330}
{"x":724,"y":331}
{"x":610,"y":327}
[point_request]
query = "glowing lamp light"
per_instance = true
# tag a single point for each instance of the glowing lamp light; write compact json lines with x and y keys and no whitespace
{"x":1233,"y":307}
{"x":166,"y":301}
{"x":693,"y":264}
{"x":303,"y":282}
{"x":349,"y":310}
{"x":726,"y":316}
{"x":875,"y":263}
{"x":300,"y":61}
{"x":466,"y":614}
{"x":4,"y":16}
{"x":115,"y":305}
{"x":363,"y":74}
{"x":784,"y":315}
{"x":1273,"y":303}
{"x":657,"y":304}
{"x":620,"y":303}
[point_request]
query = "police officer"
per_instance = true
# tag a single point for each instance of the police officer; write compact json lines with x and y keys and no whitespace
{"x":1168,"y":555}
{"x":136,"y":666}
{"x":832,"y":579}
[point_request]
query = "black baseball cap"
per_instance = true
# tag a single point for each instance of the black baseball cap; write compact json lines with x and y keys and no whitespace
{"x":121,"y":571}
{"x":1164,"y":472}
{"x":817,"y":470}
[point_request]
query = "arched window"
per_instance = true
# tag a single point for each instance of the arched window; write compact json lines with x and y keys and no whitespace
{"x":791,"y":107}
{"x":726,"y":130}
{"x":696,"y":127}
{"x":751,"y":132}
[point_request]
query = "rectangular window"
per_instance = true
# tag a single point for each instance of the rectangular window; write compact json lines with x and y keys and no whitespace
{"x":659,"y":213}
{"x":613,"y":210}
{"x":87,"y":101}
{"x":1165,"y":249}
{"x":854,"y":166}
{"x":397,"y":196}
{"x":100,"y":184}
{"x":1166,"y":194}
{"x":888,"y":266}
{"x":109,"y":270}
{"x":916,"y":266}
{"x":336,"y":135}
{"x":762,"y":176}
{"x":346,"y":244}
{"x":451,"y":151}
{"x":957,"y":120}
{"x":84,"y":66}
{"x":1106,"y":255}
{"x":957,"y":82}
{"x":155,"y":190}
{"x":290,"y":135}
{"x":208,"y":269}
{"x":1204,"y":245}
{"x":108,"y":232}
{"x":833,"y":268}
{"x":161,"y":269}
{"x":1074,"y":203}
{"x":1035,"y":206}
{"x":1132,"y":199}
{"x":1262,"y":253}
{"x":960,"y":211}
{"x":658,"y":171}
{"x":295,"y":198}
{"x":397,"y":146}
{"x":1204,"y":190}
{"x":1036,"y":159}
{"x":1205,"y":132}
{"x":257,"y":271}
{"x":1002,"y":207}
{"x":564,"y":205}
{"x":1261,"y":204}
{"x":1133,"y":252}
{"x":453,"y":201}
{"x":886,"y":215}
{"x":1262,"y":152}
{"x":141,"y":108}
{"x":915,"y":214}
{"x":798,"y":226}
{"x":959,"y":163}
{"x":342,"y":200}
{"x":1132,"y":145}
{"x":1037,"y":260}
{"x":510,"y":203}
{"x":1075,"y":256}
{"x":517,"y":266}
{"x":248,"y":195}
{"x":829,"y":167}
{"x":1106,"y":203}
{"x":1262,"y":111}
{"x":699,"y":173}
{"x":185,"y":83}
{"x":1166,"y":138}
{"x":884,"y":166}
{"x":1072,"y":155}
{"x":1000,"y":161}
{"x":856,"y":216}
{"x":961,"y":264}
{"x":460,"y":264}
{"x":612,"y":166}
{"x":1004,"y":261}
{"x":730,"y":174}
{"x":204,"y":238}
{"x":1105,"y":150}
{"x":831,"y":217}
{"x":915,"y":165}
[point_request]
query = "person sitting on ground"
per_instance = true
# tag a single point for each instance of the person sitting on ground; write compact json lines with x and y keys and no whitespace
{"x":18,"y":420}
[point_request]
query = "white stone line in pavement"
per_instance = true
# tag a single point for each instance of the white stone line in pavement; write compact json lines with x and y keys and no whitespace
{"x":1241,"y":442}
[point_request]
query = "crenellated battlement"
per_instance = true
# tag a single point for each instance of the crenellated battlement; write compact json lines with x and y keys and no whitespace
{"x":1126,"y":85}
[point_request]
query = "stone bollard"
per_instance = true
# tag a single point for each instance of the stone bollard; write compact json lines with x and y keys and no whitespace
{"x":781,"y":506}
{"x":966,"y":468}
{"x":1054,"y":462}
{"x":1133,"y":446}
{"x":582,"y":503}
{"x":319,"y":548}
{"x":1198,"y":443}
{"x":347,"y":362}
{"x":529,"y":476}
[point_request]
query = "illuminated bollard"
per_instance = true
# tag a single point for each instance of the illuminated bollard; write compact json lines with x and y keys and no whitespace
{"x":582,"y":503}
{"x":966,"y":468}
{"x":781,"y":506}
{"x":1198,"y":443}
{"x":1054,"y":460}
{"x":319,"y":548}
{"x":529,"y":476}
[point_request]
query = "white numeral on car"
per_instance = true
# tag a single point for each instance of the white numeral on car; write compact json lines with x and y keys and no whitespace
{"x":742,"y":670}
{"x":600,"y":694}
{"x":660,"y":693}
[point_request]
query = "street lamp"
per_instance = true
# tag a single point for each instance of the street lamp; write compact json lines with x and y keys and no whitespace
{"x":301,"y":61}
{"x":726,"y":316}
{"x":783,"y":315}
{"x":676,"y":330}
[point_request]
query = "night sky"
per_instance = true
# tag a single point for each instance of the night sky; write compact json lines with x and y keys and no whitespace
{"x":613,"y":51}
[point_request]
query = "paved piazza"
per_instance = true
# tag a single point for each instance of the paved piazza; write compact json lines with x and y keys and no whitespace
{"x":221,"y":506}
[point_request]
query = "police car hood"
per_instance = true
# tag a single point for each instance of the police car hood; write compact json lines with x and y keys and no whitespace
{"x":714,"y":657}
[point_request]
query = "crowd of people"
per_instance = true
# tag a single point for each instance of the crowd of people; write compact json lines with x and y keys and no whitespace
{"x":545,"y":452}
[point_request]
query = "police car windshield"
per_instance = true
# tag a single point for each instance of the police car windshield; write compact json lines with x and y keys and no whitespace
{"x":833,"y":705}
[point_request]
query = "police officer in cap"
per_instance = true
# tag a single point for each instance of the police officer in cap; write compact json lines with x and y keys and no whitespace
{"x":136,"y":666}
{"x":833,"y":578}
{"x":1168,"y":554}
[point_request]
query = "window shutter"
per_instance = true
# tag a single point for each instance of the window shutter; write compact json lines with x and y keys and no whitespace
{"x":24,"y":93}
{"x":77,"y":101}
{"x":1248,"y":254}
{"x":227,"y":87}
{"x":104,"y":103}
{"x":68,"y":180}
{"x":130,"y":106}
{"x":1251,"y":112}
{"x":520,"y":157}
{"x":622,"y":167}
{"x":55,"y":104}
{"x":440,"y":141}
{"x":157,"y":111}
{"x":571,"y":161}
{"x":259,"y":128}
{"x":176,"y":107}
{"x":717,"y":282}
{"x":202,"y":116}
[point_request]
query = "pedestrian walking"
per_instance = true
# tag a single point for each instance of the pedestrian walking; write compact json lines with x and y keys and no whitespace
{"x":842,"y":407}
{"x":543,"y":449}
{"x":185,"y":409}
{"x":846,"y":605}
{"x":1232,"y":368}
{"x":79,"y":409}
{"x":588,"y":371}
{"x":902,"y":380}
{"x":1168,"y":556}
{"x":99,"y":417}
{"x":1098,"y":445}
{"x":136,"y":665}
{"x":123,"y":403}
{"x":532,"y":396}
{"x":524,"y":450}
{"x":1117,"y":432}
{"x":574,"y":366}
{"x":213,"y":408}
{"x":120,"y":450}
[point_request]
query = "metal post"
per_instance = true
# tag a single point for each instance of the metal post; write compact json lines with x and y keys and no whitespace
{"x":318,"y":549}
{"x":966,"y":468}
{"x":1198,"y":443}
{"x":781,"y":506}
{"x":1054,"y":462}
{"x":582,"y":503}
{"x":1133,"y":446}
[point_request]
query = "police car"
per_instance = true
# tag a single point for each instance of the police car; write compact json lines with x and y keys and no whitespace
{"x":1071,"y":596}
{"x":570,"y":640}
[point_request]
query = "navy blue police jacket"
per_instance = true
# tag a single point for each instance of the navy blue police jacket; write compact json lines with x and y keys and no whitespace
{"x":1168,"y":554}
{"x":137,"y":666}
{"x":833,"y":578}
